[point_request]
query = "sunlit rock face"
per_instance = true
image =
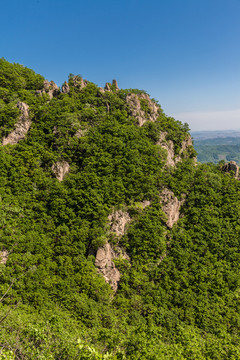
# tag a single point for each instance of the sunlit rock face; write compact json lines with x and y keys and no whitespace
{"x":171,"y":206}
{"x":172,"y":158}
{"x":21,"y":127}
{"x":60,"y":169}
{"x":50,"y":88}
{"x":136,"y":109}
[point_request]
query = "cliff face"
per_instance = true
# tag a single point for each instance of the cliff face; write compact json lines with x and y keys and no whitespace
{"x":21,"y":127}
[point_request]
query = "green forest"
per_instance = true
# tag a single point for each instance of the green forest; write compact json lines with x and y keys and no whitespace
{"x":87,"y":171}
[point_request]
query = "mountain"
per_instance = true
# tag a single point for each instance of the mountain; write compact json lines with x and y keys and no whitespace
{"x":115,"y":243}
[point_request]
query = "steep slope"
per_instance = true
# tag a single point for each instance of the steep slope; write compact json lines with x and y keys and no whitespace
{"x":114,"y":243}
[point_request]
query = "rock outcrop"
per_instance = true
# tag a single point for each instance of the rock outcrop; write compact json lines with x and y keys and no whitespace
{"x":60,"y":169}
{"x":105,"y":265}
{"x":232,"y":166}
{"x":3,"y":257}
{"x":142,"y":108}
{"x":118,"y":221}
{"x":169,"y":146}
{"x":172,"y":158}
{"x":79,"y":83}
{"x":107,"y":87}
{"x":171,"y":206}
{"x":115,"y":85}
{"x":21,"y":127}
{"x":65,"y":88}
{"x":50,"y":88}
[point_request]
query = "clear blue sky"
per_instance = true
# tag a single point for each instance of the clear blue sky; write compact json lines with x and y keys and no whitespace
{"x":184,"y":53}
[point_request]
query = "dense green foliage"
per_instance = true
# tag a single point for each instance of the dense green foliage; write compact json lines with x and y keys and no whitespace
{"x":179,"y":294}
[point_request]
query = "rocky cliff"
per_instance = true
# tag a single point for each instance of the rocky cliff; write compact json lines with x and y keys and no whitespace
{"x":21,"y":127}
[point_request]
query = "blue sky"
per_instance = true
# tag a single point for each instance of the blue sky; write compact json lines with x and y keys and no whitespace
{"x":184,"y":53}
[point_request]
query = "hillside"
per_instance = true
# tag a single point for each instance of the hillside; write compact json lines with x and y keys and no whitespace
{"x":114,"y":243}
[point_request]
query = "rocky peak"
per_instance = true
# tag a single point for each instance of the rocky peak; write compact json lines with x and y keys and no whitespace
{"x":115,"y":85}
{"x":50,"y":88}
{"x":21,"y":127}
{"x":142,"y":108}
{"x":79,"y":83}
{"x":107,"y":87}
{"x":65,"y":88}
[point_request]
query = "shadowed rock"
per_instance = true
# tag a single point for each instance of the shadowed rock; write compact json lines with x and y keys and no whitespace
{"x":106,"y":267}
{"x":232,"y":166}
{"x":115,"y":85}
